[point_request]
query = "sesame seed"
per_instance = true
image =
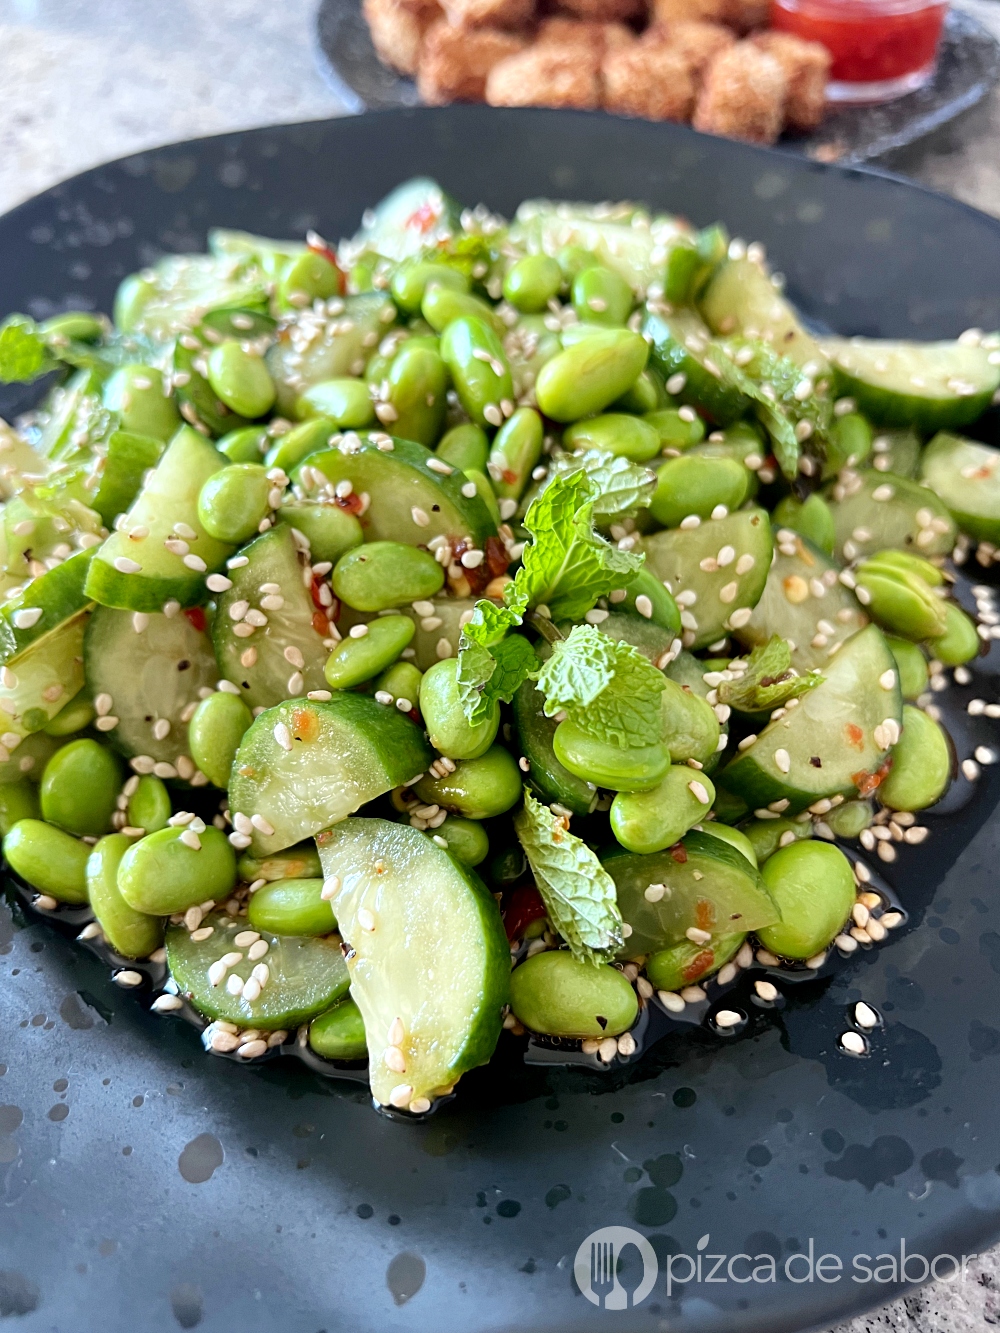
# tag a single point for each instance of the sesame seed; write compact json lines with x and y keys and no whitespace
{"x":782,"y":760}
{"x":697,"y":936}
{"x":282,"y":735}
{"x":720,"y":511}
{"x":766,"y":991}
{"x":28,"y":617}
{"x":420,"y":517}
{"x":698,"y":791}
{"x":128,"y":978}
{"x":689,"y":522}
{"x":401,"y":1095}
{"x":728,"y":1018}
{"x":864,"y":1016}
{"x":970,"y":769}
{"x":728,"y":592}
{"x":985,"y":755}
{"x":257,"y":950}
{"x":165,"y":1004}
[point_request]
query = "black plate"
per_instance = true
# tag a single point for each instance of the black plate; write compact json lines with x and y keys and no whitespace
{"x":145,"y":1177}
{"x":967,"y":68}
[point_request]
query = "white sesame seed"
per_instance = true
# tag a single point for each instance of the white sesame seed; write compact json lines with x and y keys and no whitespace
{"x":282,"y":735}
{"x":29,"y":616}
{"x":728,"y":1018}
{"x":970,"y":769}
{"x":697,"y":936}
{"x":420,"y":517}
{"x":699,"y":792}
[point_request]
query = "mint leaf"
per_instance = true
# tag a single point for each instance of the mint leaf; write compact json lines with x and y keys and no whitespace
{"x":769,"y":680}
{"x":578,"y":893}
{"x":621,"y":486}
{"x":23,"y":354}
{"x":607,"y":689}
{"x":491,"y":666}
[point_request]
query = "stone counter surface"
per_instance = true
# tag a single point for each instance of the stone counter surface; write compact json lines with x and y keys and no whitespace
{"x":84,"y":81}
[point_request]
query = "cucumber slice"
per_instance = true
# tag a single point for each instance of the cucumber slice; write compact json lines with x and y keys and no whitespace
{"x":288,"y":654}
{"x":127,"y":460}
{"x":409,"y":500}
{"x":304,"y":766}
{"x":878,"y":511}
{"x":707,"y":885}
{"x":929,"y":386}
{"x":431,"y":637}
{"x":305,"y":974}
{"x":427,"y":955}
{"x":152,"y":676}
{"x":681,"y":350}
{"x":964,"y":475}
{"x":415,"y":216}
{"x":835,"y":741}
{"x":547,"y":775}
{"x":896,"y":450}
{"x":57,"y":594}
{"x":49,"y":673}
{"x":623,"y":238}
{"x":742,"y":298}
{"x":175,"y":294}
{"x":341,"y":345}
{"x":652,"y":640}
{"x":301,"y":862}
{"x":196,"y":396}
{"x":805,"y":602}
{"x":168,"y":499}
{"x":682,"y":559}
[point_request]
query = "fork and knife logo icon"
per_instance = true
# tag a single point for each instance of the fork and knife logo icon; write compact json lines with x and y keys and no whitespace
{"x":596,"y":1268}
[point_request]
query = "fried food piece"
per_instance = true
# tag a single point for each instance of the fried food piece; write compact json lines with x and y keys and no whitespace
{"x":596,"y":37}
{"x":547,"y":75}
{"x":807,"y":68}
{"x":742,"y":95}
{"x":604,"y":11}
{"x":668,"y":12}
{"x":455,"y":62}
{"x":696,"y":41}
{"x":511,"y":14}
{"x":398,"y":29}
{"x":747,"y":15}
{"x":655,"y":82}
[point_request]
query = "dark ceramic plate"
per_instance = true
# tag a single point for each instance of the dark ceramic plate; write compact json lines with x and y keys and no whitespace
{"x":967,"y":68}
{"x":144,"y":1183}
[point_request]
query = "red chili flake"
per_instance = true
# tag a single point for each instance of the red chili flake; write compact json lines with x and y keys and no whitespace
{"x":704,"y":914}
{"x":317,"y":601}
{"x":523,"y":906}
{"x":679,"y":853}
{"x":509,"y":476}
{"x":497,"y":558}
{"x":855,"y":736}
{"x":352,"y":503}
{"x":320,"y":624}
{"x":866,"y":783}
{"x":305,"y":724}
{"x":196,"y":616}
{"x":423,"y":219}
{"x":700,"y":963}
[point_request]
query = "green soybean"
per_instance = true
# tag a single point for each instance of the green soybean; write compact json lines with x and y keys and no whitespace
{"x":344,"y":402}
{"x":960,"y":641}
{"x":467,"y":840}
{"x":246,"y":445}
{"x":80,"y":786}
{"x":900,"y":601}
{"x":849,"y":819}
{"x":442,"y":306}
{"x":78,"y":325}
{"x":911,"y":666}
{"x":446,"y":723}
{"x":482,"y":382}
{"x":417,"y":394}
{"x":241,"y":379}
{"x":638,"y":768}
{"x":291,"y":907}
{"x":558,"y":995}
{"x":48,"y":859}
{"x":813,"y":887}
{"x":479,"y":788}
{"x":465,"y":446}
{"x":573,"y":259}
{"x":380,"y":575}
{"x":647,"y":394}
{"x":77,"y":714}
{"x":298,"y":862}
{"x":292,"y":448}
{"x":690,"y":726}
{"x":130,"y":933}
{"x":233,"y":501}
{"x":676,"y":431}
{"x":306,"y":278}
{"x":765,"y":835}
{"x":532,"y":282}
{"x":647,"y":597}
{"x":615,"y":433}
{"x":149,"y":805}
{"x":848,"y":444}
{"x":356,"y":660}
{"x":921,"y":764}
{"x":339,"y":1034}
{"x":216,"y":728}
{"x":161,"y":875}
{"x":330,"y":531}
{"x":585,"y":378}
{"x":18,"y":800}
{"x":685,"y":964}
{"x":696,"y":484}
{"x":812,"y":518}
{"x":889,"y":560}
{"x":649,"y":821}
{"x":413,"y":277}
{"x":734,"y":837}
{"x":602,"y":296}
{"x":136,"y":393}
{"x":517,"y":447}
{"x":402,"y":681}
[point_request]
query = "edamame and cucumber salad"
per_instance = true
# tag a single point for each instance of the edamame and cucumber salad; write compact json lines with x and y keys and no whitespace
{"x":479,"y":626}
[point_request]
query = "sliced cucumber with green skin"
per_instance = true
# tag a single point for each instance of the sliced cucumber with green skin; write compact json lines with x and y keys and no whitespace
{"x":152,"y":676}
{"x":181,"y":289}
{"x":835,"y":741}
{"x":708,"y":886}
{"x":304,"y":766}
{"x":681,"y":346}
{"x":415,"y":216}
{"x":689,"y":673}
{"x":305,"y":975}
{"x":129,"y":457}
{"x":896,"y":450}
{"x":142,"y":574}
{"x":289,"y":655}
{"x":927,"y":386}
{"x":547,"y":775}
{"x":299,"y":862}
{"x":344,"y":348}
{"x":805,"y":603}
{"x":742,"y":298}
{"x":48,"y":675}
{"x":410,"y":501}
{"x":427,"y":954}
{"x":878,"y":511}
{"x":677,"y":558}
{"x":198,"y":399}
{"x":58,"y":594}
{"x":651,"y":639}
{"x":617,"y":243}
{"x":965,"y":475}
{"x":685,"y":964}
{"x":339,"y":1034}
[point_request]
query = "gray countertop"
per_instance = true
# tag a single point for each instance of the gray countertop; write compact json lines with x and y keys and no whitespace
{"x":83,"y":82}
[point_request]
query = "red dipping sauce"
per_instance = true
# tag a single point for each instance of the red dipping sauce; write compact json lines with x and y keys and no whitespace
{"x":881,"y":48}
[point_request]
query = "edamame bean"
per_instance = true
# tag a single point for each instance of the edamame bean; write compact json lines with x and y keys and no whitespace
{"x":344,"y":402}
{"x":80,"y":786}
{"x":466,"y":838}
{"x":446,"y":723}
{"x":130,"y":933}
{"x":48,"y":859}
{"x":848,"y":820}
{"x":330,"y":530}
{"x":848,"y":443}
{"x":241,"y":379}
{"x":690,"y":727}
{"x":921,"y":764}
{"x":649,"y":821}
{"x":136,"y":392}
{"x":639,"y":768}
{"x":378,"y":575}
{"x":291,"y":907}
{"x":77,"y":714}
{"x":18,"y":800}
{"x":813,"y":887}
{"x":765,"y":835}
{"x":339,"y":1034}
{"x":246,"y":445}
{"x":234,"y":500}
{"x":647,"y":597}
{"x":465,"y":447}
{"x":888,"y":561}
{"x":161,"y":874}
{"x":77,"y":325}
{"x":479,"y":788}
{"x":729,"y":808}
{"x":685,"y":964}
{"x":356,"y":660}
{"x":216,"y":728}
{"x":308,"y":277}
{"x":475,"y":356}
{"x":441,"y":306}
{"x":696,"y":484}
{"x":734,"y":837}
{"x":584,"y":379}
{"x":149,"y":805}
{"x":413,"y":277}
{"x":647,"y":394}
{"x":615,"y":433}
{"x":297,"y":444}
{"x":573,"y":259}
{"x":298,"y":862}
{"x":811,"y":517}
{"x":532,"y":282}
{"x":900,"y":601}
{"x":676,"y":431}
{"x":602,"y":296}
{"x":133,"y":295}
{"x":517,"y":447}
{"x":556,"y":994}
{"x":911,"y":666}
{"x":402,"y":681}
{"x":417,"y":399}
{"x":960,"y":642}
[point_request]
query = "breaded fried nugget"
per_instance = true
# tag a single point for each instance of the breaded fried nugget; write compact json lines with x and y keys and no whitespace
{"x":697,"y":42}
{"x":655,"y":82}
{"x":807,"y":68}
{"x":747,"y":15}
{"x":742,"y":95}
{"x":667,"y":12}
{"x":511,"y":14}
{"x":454,"y":62}
{"x":397,"y":30}
{"x":596,"y":37}
{"x":604,"y":11}
{"x":547,"y":75}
